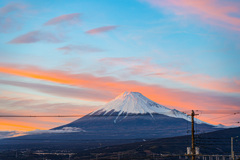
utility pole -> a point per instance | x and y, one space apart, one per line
193 137
232 152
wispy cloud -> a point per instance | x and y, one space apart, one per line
9 134
125 61
10 14
12 7
101 30
31 104
63 91
36 36
80 49
114 86
73 18
144 67
63 130
212 11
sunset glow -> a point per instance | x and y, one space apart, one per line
71 57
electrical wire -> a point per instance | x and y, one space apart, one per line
222 116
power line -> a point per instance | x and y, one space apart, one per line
223 116
42 115
108 115
223 111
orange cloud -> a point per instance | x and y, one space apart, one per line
113 86
32 123
9 124
29 124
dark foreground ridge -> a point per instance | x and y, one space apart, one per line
217 143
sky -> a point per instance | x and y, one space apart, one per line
63 57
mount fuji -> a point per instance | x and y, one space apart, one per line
132 115
135 103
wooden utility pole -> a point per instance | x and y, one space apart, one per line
193 137
232 152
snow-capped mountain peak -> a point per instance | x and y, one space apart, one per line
135 103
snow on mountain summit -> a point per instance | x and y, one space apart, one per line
136 103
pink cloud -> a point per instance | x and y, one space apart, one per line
12 7
10 14
63 91
225 85
67 18
211 11
29 105
101 29
79 49
144 67
36 36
